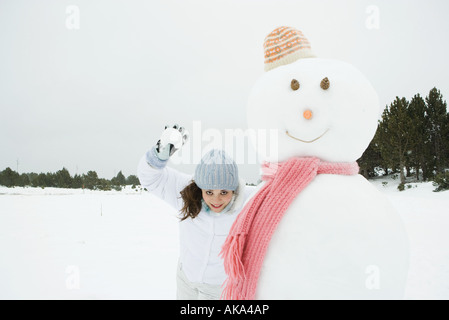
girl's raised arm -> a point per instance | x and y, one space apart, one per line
164 182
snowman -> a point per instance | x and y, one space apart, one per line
316 229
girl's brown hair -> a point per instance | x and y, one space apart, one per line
191 196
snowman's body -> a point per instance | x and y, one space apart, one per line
340 238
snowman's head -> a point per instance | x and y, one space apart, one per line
319 107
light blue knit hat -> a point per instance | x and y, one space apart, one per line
217 171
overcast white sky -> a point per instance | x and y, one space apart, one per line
97 97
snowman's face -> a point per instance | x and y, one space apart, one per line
334 124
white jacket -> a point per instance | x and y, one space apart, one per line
201 238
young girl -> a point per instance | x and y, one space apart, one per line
208 204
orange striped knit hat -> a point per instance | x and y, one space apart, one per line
285 45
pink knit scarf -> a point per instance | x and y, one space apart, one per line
247 242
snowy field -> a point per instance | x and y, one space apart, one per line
75 244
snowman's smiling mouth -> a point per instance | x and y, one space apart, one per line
305 141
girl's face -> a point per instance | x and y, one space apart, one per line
217 200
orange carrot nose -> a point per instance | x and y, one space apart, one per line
307 114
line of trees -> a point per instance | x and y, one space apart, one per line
63 179
412 139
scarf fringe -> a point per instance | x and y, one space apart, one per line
231 253
233 291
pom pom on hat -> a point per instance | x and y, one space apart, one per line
217 171
285 45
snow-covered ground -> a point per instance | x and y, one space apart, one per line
426 217
75 244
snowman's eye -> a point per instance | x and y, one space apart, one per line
295 84
325 84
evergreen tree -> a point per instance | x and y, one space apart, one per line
438 126
445 134
24 180
63 179
395 135
382 136
9 178
370 159
51 179
379 141
41 181
104 185
32 177
77 182
420 154
90 180
119 180
132 180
